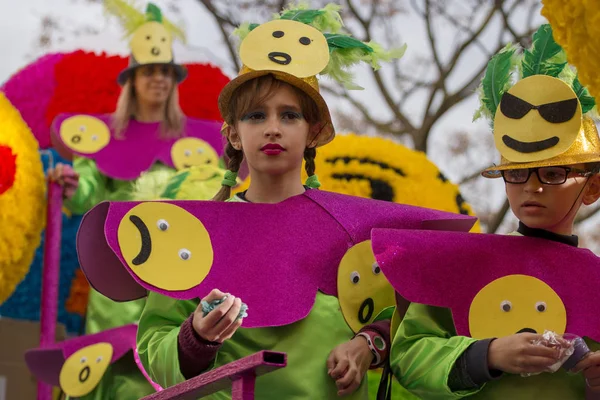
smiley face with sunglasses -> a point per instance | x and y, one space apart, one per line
538 118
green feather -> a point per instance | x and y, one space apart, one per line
173 186
587 101
496 81
153 13
339 41
304 16
541 59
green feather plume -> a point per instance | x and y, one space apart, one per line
546 57
131 18
496 81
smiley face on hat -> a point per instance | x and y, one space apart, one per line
151 43
287 46
537 119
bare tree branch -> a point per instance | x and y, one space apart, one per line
497 219
221 21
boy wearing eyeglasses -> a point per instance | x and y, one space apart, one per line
550 165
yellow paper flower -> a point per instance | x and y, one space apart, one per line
576 27
377 168
22 198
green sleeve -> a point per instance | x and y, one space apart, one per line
424 351
91 189
158 330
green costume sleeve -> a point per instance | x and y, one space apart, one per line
424 351
158 330
91 189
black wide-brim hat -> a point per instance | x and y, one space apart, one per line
180 71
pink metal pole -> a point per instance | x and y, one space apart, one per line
240 374
50 276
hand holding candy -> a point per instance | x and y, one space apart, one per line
218 316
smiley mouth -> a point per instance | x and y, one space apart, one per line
280 58
365 312
84 374
146 249
155 51
76 139
531 147
527 330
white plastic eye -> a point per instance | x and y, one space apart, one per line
82 128
94 137
187 153
83 360
506 306
376 268
541 306
162 224
200 150
185 254
99 359
354 277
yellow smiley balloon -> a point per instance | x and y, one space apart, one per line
287 46
538 119
513 304
363 291
165 246
193 152
151 43
82 371
84 134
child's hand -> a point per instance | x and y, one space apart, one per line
590 366
348 363
65 176
221 323
515 354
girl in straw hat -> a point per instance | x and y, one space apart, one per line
275 118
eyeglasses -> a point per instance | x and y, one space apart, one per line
515 108
546 175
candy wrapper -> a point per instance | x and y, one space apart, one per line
571 350
208 307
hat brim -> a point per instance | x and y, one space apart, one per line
180 72
495 171
327 132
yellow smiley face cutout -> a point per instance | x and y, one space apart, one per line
363 290
513 304
193 152
165 246
151 43
82 372
84 134
287 46
537 119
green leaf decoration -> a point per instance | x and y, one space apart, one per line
339 41
496 80
304 16
587 101
153 13
173 186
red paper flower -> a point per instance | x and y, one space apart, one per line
8 168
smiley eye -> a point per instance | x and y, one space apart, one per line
304 40
506 306
278 34
94 137
83 360
540 306
185 254
99 359
148 37
163 39
82 128
354 277
162 224
200 150
376 268
187 153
